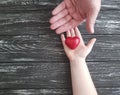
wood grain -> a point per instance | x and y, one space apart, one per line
32 59
49 48
110 5
102 91
37 22
54 75
30 4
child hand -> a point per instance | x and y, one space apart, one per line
82 50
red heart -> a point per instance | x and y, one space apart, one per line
72 42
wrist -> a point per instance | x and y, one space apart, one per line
78 61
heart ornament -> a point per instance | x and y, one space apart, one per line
72 42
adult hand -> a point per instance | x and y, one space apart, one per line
82 50
71 13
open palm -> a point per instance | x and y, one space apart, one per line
70 13
82 50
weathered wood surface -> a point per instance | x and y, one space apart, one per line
36 22
32 60
21 21
29 4
54 75
49 48
102 91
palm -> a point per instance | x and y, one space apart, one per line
71 13
75 11
82 50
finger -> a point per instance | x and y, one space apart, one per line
72 32
91 43
77 32
60 15
63 39
71 24
68 33
61 22
91 18
59 8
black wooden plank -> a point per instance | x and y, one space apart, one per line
107 23
10 5
101 91
19 23
37 22
28 2
33 75
111 5
25 4
36 92
49 48
54 75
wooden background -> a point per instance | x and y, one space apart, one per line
32 60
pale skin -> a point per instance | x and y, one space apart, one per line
82 83
71 13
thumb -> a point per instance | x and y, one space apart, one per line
90 21
91 43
